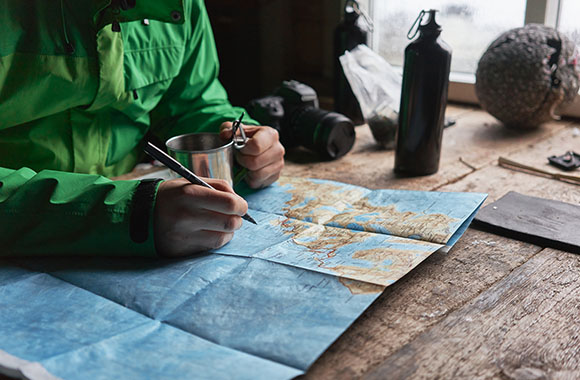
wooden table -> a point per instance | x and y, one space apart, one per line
491 307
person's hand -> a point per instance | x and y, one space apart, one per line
263 154
190 218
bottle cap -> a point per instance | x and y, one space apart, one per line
431 26
351 13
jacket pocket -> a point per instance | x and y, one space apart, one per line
152 53
152 58
151 65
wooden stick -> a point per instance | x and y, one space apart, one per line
507 163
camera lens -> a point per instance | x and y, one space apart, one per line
329 133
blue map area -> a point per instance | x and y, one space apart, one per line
265 306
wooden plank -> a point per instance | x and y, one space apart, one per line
443 283
456 111
524 327
497 181
536 154
480 139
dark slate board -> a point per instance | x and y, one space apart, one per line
540 221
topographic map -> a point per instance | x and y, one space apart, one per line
264 306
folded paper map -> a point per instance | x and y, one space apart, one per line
264 306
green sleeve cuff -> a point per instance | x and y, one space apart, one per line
141 222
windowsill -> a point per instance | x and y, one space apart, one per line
462 90
466 78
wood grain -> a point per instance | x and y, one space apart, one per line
441 284
497 181
479 139
524 327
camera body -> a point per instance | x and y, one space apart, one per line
293 110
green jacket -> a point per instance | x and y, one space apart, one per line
78 95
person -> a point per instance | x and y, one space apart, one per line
83 84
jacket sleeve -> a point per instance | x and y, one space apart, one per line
60 213
196 101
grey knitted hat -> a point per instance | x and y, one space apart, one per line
525 74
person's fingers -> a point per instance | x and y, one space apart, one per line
182 196
193 197
273 155
249 130
226 125
260 140
264 176
261 183
202 219
189 219
185 243
214 240
219 184
226 130
199 197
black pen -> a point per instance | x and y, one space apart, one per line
172 164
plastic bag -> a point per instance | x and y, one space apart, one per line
377 87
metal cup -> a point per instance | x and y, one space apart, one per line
205 154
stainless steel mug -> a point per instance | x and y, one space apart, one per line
206 154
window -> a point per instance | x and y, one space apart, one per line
568 19
469 26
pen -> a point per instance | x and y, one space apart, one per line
172 164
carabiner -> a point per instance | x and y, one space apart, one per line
239 142
418 23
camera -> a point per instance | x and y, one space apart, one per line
293 111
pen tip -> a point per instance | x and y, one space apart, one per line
249 219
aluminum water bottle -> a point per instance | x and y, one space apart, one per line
351 32
423 99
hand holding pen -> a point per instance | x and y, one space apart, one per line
174 165
194 215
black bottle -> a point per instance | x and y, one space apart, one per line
423 100
351 32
